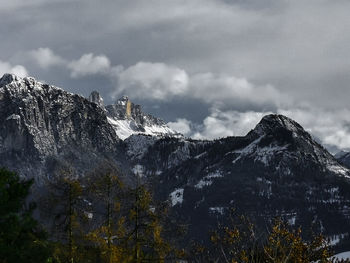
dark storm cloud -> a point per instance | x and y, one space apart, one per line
196 53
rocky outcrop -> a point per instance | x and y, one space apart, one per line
40 120
96 98
127 119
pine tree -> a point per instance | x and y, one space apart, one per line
130 225
65 206
21 239
144 237
106 189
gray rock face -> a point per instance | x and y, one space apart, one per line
39 120
125 109
97 99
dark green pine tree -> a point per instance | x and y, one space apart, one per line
21 239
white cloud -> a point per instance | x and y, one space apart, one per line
45 57
227 123
181 125
19 70
211 88
332 127
152 81
89 64
298 46
160 81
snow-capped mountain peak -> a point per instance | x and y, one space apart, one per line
275 122
277 135
127 119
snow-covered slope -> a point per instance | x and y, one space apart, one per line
126 128
128 119
342 256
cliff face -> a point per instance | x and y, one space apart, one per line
39 121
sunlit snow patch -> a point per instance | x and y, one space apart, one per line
13 117
343 255
339 170
128 127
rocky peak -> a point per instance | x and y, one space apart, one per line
281 130
95 97
40 120
29 82
122 101
279 137
273 123
8 78
124 109
128 118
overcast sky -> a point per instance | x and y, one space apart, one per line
211 68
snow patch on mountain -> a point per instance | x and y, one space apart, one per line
217 210
126 128
13 117
265 154
338 169
342 256
207 180
336 239
157 130
262 154
177 196
128 119
138 170
123 128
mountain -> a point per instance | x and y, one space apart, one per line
128 119
277 169
41 122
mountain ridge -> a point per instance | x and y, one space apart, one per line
277 169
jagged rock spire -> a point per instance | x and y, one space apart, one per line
125 105
95 97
